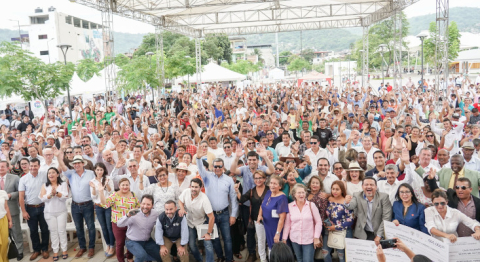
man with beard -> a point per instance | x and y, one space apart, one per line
139 241
172 228
449 176
369 223
196 206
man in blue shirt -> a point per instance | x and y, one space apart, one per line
82 204
220 191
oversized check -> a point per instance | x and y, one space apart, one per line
358 250
465 249
419 242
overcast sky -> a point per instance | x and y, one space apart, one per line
20 9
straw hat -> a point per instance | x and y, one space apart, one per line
78 159
182 166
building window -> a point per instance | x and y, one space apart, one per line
42 37
85 24
68 20
76 22
43 52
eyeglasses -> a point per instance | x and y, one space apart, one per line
132 166
313 143
217 166
462 187
162 175
269 134
68 152
290 162
279 169
405 192
400 132
226 147
441 203
338 168
429 135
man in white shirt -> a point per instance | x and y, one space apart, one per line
228 157
453 134
137 182
471 161
283 148
369 149
49 161
89 155
213 147
391 184
323 169
315 152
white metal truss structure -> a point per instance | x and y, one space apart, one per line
441 50
198 62
397 49
108 50
365 55
160 70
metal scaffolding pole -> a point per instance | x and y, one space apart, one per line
198 62
108 7
365 56
160 71
441 40
397 48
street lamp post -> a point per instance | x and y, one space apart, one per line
48 47
64 48
422 36
381 49
150 54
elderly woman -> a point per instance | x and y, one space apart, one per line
164 190
442 221
303 225
353 178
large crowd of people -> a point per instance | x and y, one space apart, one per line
212 172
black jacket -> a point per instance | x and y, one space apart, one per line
453 198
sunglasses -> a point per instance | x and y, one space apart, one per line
132 166
68 152
288 162
429 135
461 187
226 147
269 134
313 143
279 169
217 166
441 203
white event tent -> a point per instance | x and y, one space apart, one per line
214 73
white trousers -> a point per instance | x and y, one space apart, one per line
57 224
261 240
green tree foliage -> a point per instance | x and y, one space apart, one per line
430 43
284 55
137 74
298 64
380 33
87 68
27 76
308 54
121 60
217 47
242 67
179 64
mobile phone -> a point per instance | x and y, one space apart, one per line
327 222
389 243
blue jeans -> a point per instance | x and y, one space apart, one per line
79 214
304 253
104 216
37 218
192 244
144 250
223 224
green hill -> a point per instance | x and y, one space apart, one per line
467 20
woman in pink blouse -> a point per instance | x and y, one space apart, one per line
303 224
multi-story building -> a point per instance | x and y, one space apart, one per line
48 29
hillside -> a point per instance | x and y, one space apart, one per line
467 19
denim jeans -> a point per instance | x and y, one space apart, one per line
144 250
223 224
79 214
304 253
37 218
192 244
104 216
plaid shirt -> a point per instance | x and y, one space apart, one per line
302 149
191 149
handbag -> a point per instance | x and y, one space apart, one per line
12 248
336 239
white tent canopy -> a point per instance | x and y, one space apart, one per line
214 73
96 84
77 86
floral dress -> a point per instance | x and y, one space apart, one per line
162 195
321 204
120 205
339 216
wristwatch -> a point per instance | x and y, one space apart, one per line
277 233
210 234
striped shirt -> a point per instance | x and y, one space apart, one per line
120 205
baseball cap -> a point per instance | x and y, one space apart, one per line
455 115
351 115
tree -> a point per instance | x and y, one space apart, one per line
258 53
242 67
148 43
217 47
179 64
430 44
284 55
87 68
308 54
380 33
29 77
121 60
137 74
298 64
